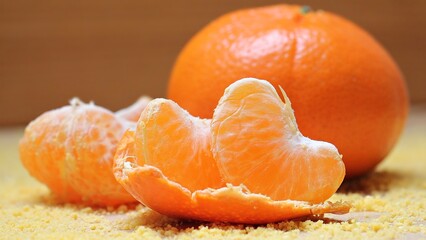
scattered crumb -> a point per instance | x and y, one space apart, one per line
387 204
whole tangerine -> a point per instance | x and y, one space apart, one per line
345 87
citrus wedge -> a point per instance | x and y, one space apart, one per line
256 142
180 166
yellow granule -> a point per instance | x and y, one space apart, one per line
390 203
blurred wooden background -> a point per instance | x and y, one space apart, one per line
114 51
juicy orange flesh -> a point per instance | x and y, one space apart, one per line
256 143
178 144
94 137
126 150
169 162
71 150
36 144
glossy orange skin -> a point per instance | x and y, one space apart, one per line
345 88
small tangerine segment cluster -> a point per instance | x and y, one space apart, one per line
71 150
253 142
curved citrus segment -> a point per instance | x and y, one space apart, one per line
227 204
71 150
133 112
39 157
178 144
256 142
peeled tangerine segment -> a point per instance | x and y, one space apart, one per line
251 166
71 150
178 144
256 142
227 204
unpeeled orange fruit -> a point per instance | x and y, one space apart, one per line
260 168
345 88
71 150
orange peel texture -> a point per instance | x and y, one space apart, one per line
165 164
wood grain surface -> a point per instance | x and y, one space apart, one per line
114 51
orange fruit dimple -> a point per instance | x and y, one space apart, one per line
256 142
345 88
167 164
71 150
178 144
